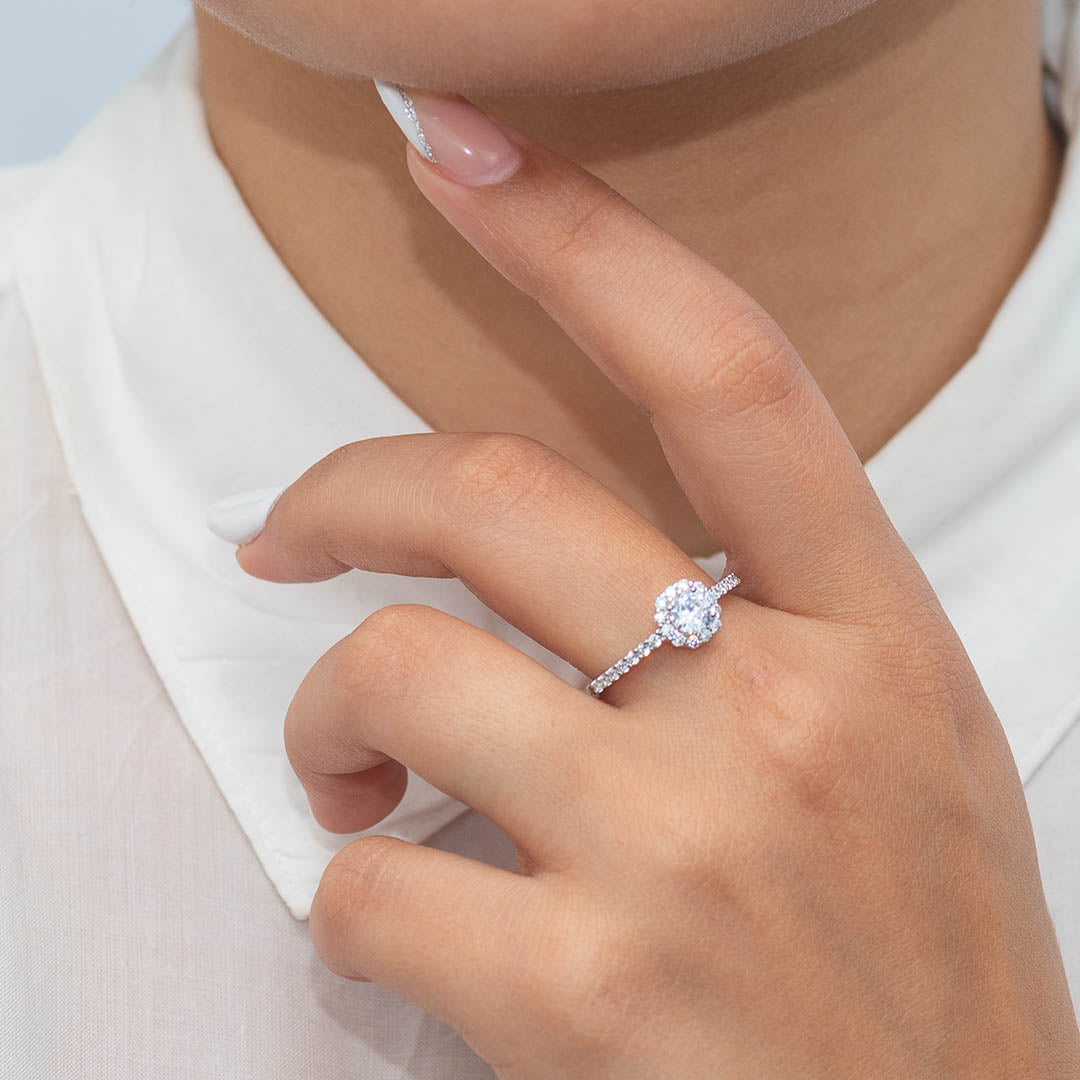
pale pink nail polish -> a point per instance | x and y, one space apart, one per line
453 134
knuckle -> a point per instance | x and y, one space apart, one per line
741 365
387 651
691 856
490 476
354 876
757 375
910 652
685 829
376 664
932 680
804 728
327 476
819 759
927 662
355 879
583 989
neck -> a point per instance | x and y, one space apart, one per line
877 186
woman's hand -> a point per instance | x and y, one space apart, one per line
802 850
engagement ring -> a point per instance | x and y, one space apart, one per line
687 615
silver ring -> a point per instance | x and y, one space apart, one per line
687 615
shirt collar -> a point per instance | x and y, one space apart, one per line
183 363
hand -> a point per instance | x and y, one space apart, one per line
800 851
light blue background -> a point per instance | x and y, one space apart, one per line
60 60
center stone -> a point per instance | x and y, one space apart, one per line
690 615
686 614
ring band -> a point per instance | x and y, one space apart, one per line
687 615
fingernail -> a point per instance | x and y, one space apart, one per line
240 518
453 134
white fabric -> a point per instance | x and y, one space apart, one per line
150 347
167 398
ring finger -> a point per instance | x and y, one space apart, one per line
542 543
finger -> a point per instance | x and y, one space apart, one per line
745 427
465 710
442 931
545 545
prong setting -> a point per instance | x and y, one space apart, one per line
687 614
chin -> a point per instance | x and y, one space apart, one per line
479 47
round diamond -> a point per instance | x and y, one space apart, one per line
686 614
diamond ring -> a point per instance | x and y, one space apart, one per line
687 615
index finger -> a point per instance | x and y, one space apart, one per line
745 427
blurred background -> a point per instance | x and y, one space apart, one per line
60 60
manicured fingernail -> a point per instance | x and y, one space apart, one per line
240 518
453 134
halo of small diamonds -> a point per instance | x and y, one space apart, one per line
687 614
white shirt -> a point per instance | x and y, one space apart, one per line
158 857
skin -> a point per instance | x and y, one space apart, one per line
792 172
826 867
531 47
